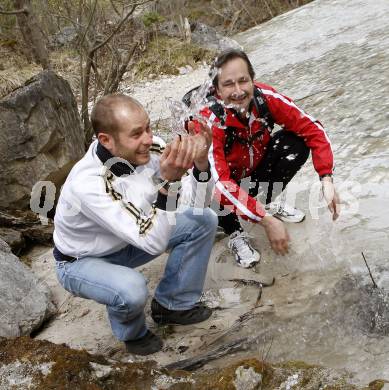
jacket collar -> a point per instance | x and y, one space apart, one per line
233 120
118 166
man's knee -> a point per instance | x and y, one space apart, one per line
295 142
133 295
290 143
208 219
302 150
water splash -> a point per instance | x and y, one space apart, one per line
180 112
291 156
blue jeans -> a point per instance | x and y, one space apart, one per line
112 281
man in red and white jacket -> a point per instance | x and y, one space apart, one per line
246 160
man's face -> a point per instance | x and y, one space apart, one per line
235 85
133 138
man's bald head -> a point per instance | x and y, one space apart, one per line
109 109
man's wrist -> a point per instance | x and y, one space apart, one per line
170 187
168 195
266 220
326 176
202 172
202 165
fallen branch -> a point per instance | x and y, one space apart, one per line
14 12
250 282
236 325
196 362
368 268
244 317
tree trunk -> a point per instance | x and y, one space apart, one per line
85 100
32 34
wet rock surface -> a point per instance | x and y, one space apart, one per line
368 309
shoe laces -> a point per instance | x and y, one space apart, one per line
241 244
285 209
281 207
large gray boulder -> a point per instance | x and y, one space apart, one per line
202 35
65 37
24 300
41 137
209 38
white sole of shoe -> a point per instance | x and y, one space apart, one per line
281 218
251 265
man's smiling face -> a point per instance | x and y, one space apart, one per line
132 138
235 85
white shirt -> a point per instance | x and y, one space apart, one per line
99 213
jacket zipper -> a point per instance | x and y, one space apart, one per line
251 153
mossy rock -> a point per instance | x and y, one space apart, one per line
45 365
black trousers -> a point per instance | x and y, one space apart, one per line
285 154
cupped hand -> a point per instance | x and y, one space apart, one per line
331 196
201 137
277 234
176 159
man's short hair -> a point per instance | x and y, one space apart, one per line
103 116
228 55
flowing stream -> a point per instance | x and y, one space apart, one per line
332 57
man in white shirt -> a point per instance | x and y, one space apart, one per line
118 209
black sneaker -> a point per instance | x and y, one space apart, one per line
146 345
200 312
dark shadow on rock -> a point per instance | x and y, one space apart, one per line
22 229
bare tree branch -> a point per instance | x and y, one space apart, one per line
32 34
121 69
72 21
110 72
99 81
89 22
114 32
89 47
268 8
249 14
137 3
14 12
85 99
114 8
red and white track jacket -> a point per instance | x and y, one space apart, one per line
243 159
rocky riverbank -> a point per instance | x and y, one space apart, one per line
332 57
33 364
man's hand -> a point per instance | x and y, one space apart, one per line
201 140
176 159
331 197
277 234
183 152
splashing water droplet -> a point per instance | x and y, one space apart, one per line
291 157
180 112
